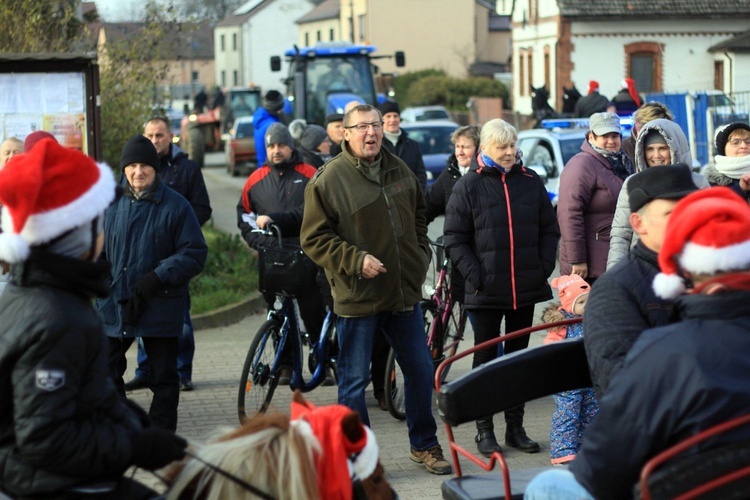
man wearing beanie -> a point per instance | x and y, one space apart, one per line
266 115
275 192
681 379
184 176
660 142
315 145
397 141
591 103
155 246
63 426
624 304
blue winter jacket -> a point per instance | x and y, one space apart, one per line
159 233
262 119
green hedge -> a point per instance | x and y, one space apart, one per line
230 274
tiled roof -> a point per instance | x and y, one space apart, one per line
201 38
739 43
669 8
328 9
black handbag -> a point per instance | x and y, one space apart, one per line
283 269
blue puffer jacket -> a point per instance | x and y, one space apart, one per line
159 233
262 119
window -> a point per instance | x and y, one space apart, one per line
235 78
330 35
362 28
223 78
318 36
222 42
307 39
195 76
547 69
234 41
521 73
530 69
719 75
644 65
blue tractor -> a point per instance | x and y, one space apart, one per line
324 78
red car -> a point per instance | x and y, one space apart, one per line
240 148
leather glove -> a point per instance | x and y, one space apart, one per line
147 286
156 448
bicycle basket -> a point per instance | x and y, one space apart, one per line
283 270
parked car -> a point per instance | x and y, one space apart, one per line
425 113
434 138
546 150
240 147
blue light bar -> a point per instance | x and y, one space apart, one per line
626 123
332 49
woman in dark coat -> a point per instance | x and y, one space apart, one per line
502 235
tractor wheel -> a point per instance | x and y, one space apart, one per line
196 146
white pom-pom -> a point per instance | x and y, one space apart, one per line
13 248
668 286
367 459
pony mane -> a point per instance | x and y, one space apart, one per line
267 452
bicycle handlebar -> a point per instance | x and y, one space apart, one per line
273 230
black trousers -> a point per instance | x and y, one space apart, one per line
163 380
487 326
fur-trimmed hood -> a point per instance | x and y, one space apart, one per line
716 178
552 313
676 140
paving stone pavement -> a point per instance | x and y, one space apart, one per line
212 408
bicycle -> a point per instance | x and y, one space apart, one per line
445 322
263 363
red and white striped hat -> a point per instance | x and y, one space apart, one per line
708 232
46 192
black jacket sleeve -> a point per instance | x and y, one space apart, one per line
198 196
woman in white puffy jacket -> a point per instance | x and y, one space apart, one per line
659 142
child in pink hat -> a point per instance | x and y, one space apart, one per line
573 409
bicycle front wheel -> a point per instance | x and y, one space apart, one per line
453 334
395 399
258 381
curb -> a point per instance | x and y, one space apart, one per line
231 314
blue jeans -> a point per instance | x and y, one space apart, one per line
405 334
185 351
556 484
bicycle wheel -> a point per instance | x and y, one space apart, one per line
395 399
257 384
454 333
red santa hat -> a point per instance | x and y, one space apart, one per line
341 459
46 192
708 232
593 86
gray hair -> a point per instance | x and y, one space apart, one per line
499 132
472 132
362 108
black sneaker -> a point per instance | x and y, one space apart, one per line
136 383
186 386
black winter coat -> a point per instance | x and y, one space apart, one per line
501 232
676 381
409 152
622 304
62 422
184 176
440 192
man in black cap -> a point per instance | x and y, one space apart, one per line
622 303
397 141
265 116
335 128
155 246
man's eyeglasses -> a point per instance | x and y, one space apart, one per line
364 127
738 142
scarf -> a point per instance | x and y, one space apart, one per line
619 161
392 138
490 162
733 168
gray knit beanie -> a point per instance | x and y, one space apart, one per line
313 136
277 133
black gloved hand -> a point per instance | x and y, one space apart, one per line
147 285
155 448
132 310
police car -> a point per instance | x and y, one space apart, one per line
548 149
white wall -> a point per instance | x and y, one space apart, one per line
228 60
268 33
534 37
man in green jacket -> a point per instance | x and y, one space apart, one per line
364 223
